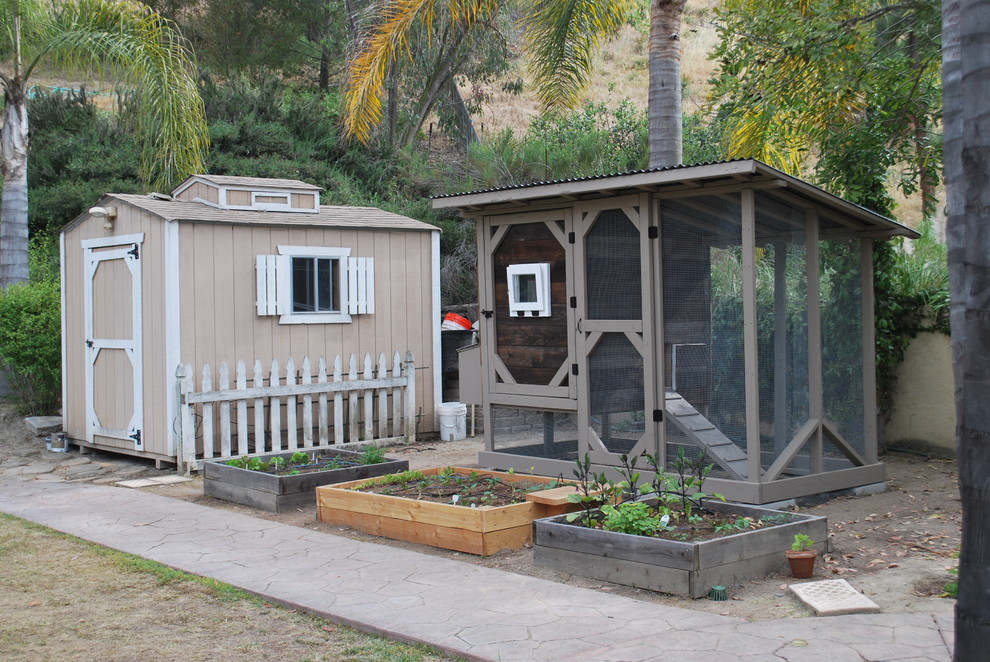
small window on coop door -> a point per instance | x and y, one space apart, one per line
529 289
315 285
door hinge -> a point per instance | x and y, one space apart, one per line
573 302
653 232
658 415
574 369
571 239
134 252
136 437
487 313
89 343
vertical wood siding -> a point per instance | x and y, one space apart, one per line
113 377
202 191
219 320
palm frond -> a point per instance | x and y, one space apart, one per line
127 42
365 85
561 37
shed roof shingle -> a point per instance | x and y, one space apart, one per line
328 216
225 180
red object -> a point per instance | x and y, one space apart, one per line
454 322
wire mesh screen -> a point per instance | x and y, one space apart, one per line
703 326
615 380
613 268
535 433
842 341
782 324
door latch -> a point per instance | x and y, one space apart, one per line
487 313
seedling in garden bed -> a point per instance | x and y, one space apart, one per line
671 505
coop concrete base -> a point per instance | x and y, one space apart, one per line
681 568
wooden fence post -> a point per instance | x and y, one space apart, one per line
409 370
188 422
180 401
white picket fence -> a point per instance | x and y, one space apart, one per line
290 410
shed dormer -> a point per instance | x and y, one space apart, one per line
250 193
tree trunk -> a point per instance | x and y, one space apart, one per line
14 208
464 122
665 82
966 84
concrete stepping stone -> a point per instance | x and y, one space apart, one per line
151 482
834 597
42 425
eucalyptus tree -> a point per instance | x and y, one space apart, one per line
966 81
851 86
560 36
124 42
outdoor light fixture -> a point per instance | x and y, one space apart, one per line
108 214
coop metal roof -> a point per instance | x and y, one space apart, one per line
695 179
328 216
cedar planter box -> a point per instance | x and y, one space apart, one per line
681 568
279 494
483 530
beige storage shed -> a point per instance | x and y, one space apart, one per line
231 269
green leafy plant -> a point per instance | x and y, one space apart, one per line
299 458
31 344
372 455
801 541
738 524
633 517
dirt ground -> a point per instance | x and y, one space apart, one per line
895 546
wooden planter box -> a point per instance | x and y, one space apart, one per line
278 494
484 530
681 568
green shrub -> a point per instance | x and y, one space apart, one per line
31 344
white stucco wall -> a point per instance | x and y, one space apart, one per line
924 409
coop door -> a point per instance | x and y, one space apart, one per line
616 402
526 293
114 403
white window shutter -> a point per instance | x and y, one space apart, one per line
265 268
361 285
283 284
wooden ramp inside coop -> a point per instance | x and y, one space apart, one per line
702 432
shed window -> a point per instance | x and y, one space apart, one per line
315 285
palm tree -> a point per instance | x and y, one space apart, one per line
125 42
560 36
966 84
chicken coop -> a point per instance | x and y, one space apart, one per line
724 309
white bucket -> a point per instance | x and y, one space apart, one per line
453 421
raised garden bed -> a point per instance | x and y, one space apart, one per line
671 566
280 490
482 529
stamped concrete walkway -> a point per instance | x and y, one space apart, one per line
476 612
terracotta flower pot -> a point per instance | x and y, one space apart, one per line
802 562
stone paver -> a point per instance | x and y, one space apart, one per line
477 612
42 425
834 597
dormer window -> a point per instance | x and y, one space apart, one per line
270 201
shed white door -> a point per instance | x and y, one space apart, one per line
112 291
